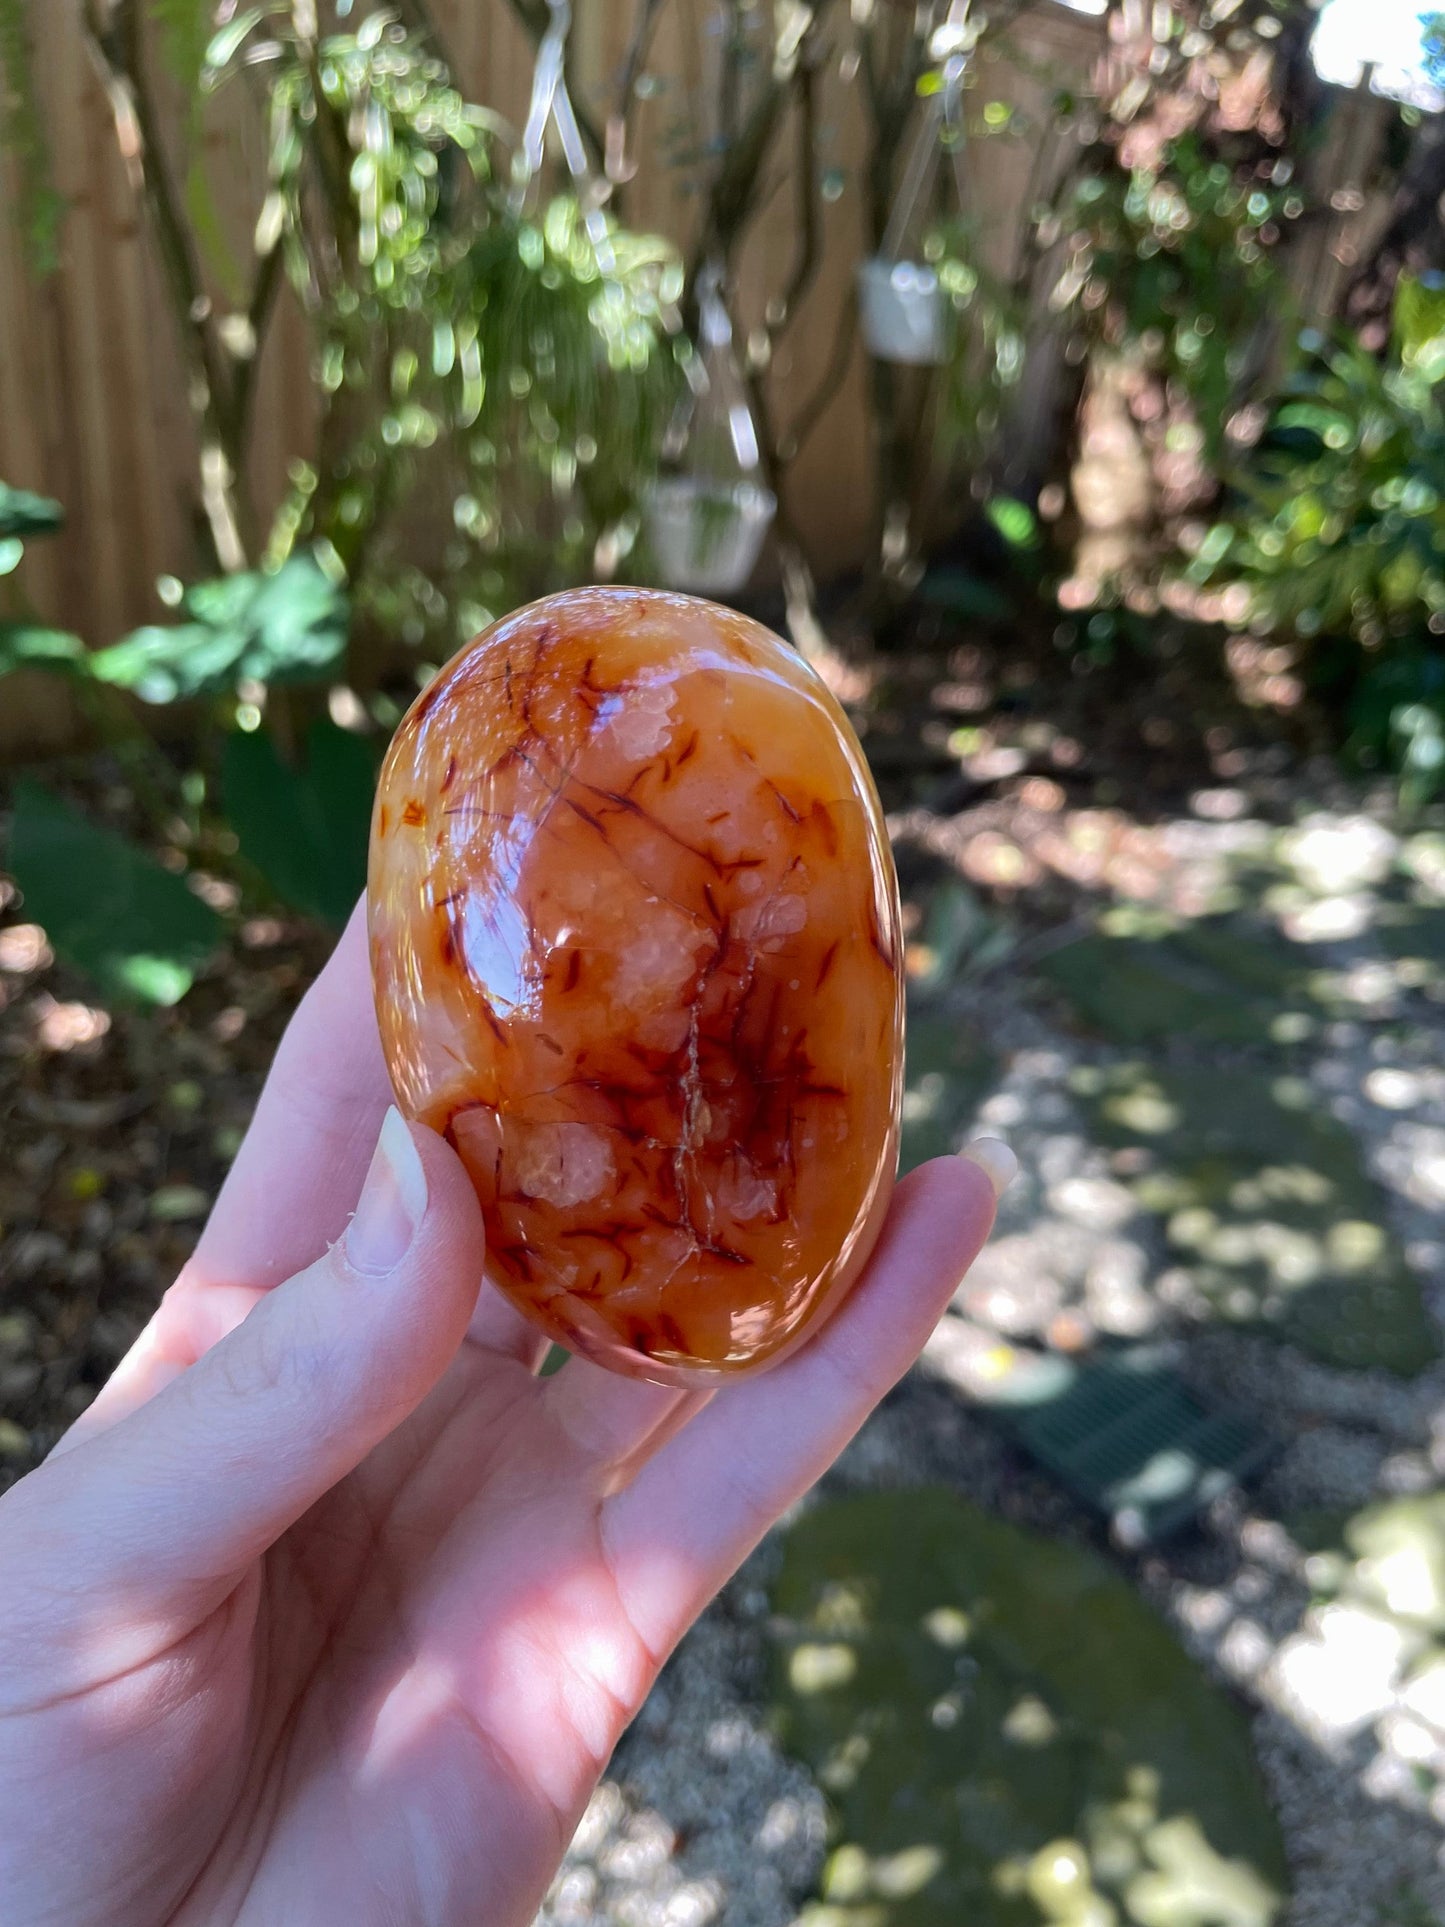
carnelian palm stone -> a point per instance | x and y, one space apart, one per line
635 939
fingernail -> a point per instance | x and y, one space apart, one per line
392 1203
995 1160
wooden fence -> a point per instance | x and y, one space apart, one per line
92 402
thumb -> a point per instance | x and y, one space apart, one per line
174 1502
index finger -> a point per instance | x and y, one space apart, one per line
296 1177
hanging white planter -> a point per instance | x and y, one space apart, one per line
904 312
707 535
902 307
709 513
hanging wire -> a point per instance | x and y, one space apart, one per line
941 126
551 105
715 333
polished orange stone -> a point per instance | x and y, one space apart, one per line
635 939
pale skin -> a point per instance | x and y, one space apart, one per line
329 1609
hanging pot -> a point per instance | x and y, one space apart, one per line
902 308
707 534
904 312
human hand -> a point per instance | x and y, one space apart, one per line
329 1609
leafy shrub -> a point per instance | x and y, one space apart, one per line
485 359
986 320
283 627
1175 261
520 360
1339 535
106 906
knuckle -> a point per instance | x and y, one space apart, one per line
280 1353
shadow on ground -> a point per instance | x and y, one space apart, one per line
1008 1734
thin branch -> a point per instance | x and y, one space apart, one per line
872 84
810 199
781 313
258 316
337 244
115 45
730 201
832 379
637 46
891 87
729 88
619 169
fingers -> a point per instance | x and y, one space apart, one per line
190 1319
193 1316
183 1495
297 1175
700 1506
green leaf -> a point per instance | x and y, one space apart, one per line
11 551
105 905
287 627
1310 415
1014 520
162 665
228 42
1419 318
22 513
28 645
305 830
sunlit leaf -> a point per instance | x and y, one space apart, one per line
225 45
24 514
30 645
1014 520
1419 317
287 627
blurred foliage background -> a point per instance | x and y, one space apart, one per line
512 388
1069 389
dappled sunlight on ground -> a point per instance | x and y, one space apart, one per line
1225 1087
1007 1733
